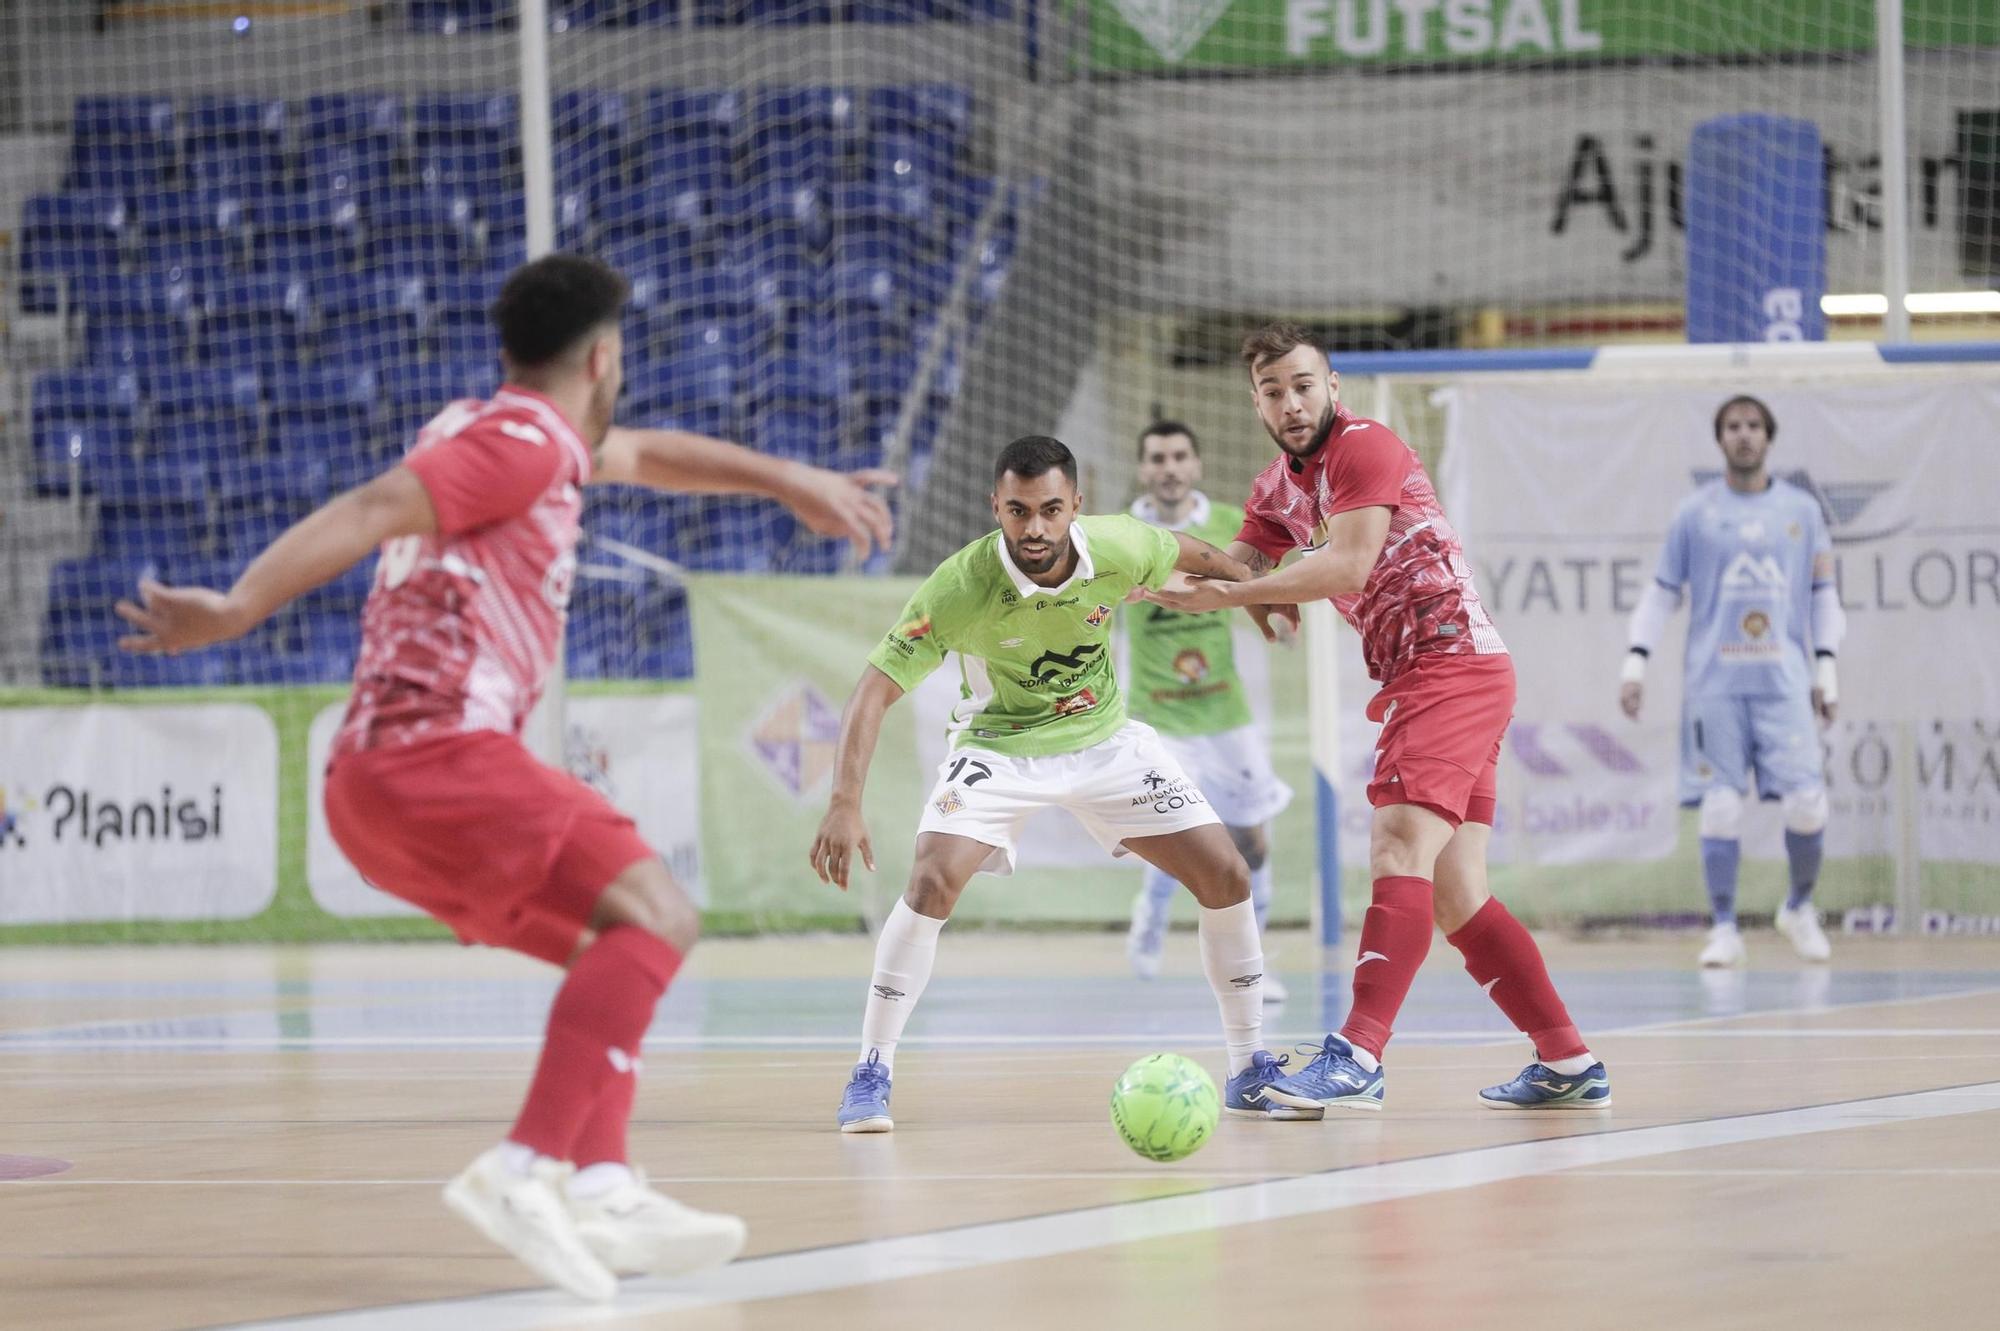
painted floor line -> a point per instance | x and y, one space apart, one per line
850 1265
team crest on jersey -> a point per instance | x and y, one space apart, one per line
1098 616
1756 624
948 803
560 580
1191 666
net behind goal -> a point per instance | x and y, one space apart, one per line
250 252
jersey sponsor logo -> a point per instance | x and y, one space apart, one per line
1053 667
1098 616
1190 665
1154 780
1080 701
1752 575
948 803
1046 604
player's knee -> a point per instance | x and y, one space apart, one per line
931 891
647 897
1721 815
1251 843
1805 811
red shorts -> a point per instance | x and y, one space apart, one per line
476 832
1440 746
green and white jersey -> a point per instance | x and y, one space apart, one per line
1036 661
1183 667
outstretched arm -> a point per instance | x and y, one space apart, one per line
829 503
1340 567
843 831
1199 557
314 550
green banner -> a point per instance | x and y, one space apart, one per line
1156 35
775 661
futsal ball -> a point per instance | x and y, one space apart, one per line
1165 1106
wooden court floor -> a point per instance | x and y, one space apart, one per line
248 1136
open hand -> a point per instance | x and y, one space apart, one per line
178 619
1191 594
1278 623
843 504
841 833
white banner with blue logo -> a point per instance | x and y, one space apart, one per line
1564 487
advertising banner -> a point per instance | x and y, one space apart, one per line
126 813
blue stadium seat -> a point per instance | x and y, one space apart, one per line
250 173
356 167
141 116
806 433
450 17
590 116
67 454
464 335
256 320
313 234
328 396
764 13
590 169
174 534
236 392
487 119
938 108
700 115
221 443
364 117
131 295
567 14
119 165
174 217
467 168
95 396
190 670
199 264
628 629
80 214
173 490
234 120
415 393
373 321
139 345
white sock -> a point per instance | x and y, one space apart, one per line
1368 1061
1260 894
519 1159
598 1179
1569 1067
1232 956
903 957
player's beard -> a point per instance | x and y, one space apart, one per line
1314 441
1058 553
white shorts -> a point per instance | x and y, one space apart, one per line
1233 768
1127 786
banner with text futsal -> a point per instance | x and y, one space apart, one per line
1564 490
775 661
117 813
1279 34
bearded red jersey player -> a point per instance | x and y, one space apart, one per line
432 795
1355 500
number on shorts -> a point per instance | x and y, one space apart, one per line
979 771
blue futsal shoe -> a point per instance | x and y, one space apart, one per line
864 1105
1333 1080
1541 1087
1244 1096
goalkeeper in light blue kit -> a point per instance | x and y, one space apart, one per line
1764 624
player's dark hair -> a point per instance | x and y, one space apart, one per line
545 308
1745 400
1167 427
1033 454
1274 340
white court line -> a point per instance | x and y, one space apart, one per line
379 1043
849 1265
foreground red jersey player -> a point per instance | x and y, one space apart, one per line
1355 500
432 795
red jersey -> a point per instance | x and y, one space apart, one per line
460 631
1419 597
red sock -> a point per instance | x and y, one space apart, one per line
1395 936
595 1026
601 1140
1502 959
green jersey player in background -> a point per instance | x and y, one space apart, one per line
1027 611
1186 686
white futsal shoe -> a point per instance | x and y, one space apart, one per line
1725 946
526 1215
1801 928
637 1231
